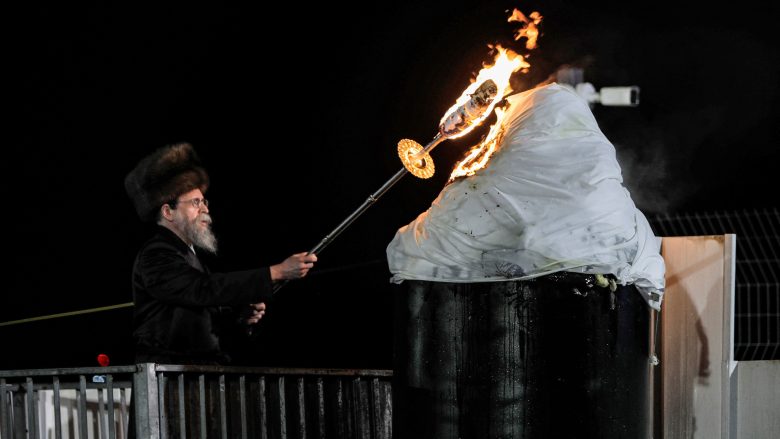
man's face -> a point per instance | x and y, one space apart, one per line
191 217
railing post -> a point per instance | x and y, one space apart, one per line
145 402
5 416
19 414
32 410
110 394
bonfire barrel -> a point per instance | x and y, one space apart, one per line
555 357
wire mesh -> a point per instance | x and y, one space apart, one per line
757 313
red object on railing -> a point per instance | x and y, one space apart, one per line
103 360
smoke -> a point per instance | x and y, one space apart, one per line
649 174
673 160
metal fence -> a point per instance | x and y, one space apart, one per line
174 401
757 310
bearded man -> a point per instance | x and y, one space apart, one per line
179 303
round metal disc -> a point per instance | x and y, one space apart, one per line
420 167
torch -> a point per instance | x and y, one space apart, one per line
459 120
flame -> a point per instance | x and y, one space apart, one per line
530 30
478 157
506 63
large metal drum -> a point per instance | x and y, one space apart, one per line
555 357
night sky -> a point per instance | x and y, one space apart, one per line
298 126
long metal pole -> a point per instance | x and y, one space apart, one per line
359 211
351 218
432 144
366 204
438 138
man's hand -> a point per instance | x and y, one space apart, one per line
256 312
294 267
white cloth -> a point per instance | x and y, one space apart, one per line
550 199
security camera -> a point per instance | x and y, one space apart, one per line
619 96
609 96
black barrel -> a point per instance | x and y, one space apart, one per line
555 357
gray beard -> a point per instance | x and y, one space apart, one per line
199 237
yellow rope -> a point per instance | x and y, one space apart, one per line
129 304
67 314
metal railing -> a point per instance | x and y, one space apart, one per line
175 401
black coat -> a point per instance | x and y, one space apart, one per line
178 302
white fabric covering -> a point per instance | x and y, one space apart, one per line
551 199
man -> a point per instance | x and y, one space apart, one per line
180 306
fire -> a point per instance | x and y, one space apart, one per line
479 155
506 63
530 30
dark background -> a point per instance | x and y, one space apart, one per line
295 111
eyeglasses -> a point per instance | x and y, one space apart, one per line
195 202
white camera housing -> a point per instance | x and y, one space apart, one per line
619 96
572 77
609 96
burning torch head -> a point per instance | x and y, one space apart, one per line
463 116
417 160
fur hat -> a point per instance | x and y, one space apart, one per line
162 176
